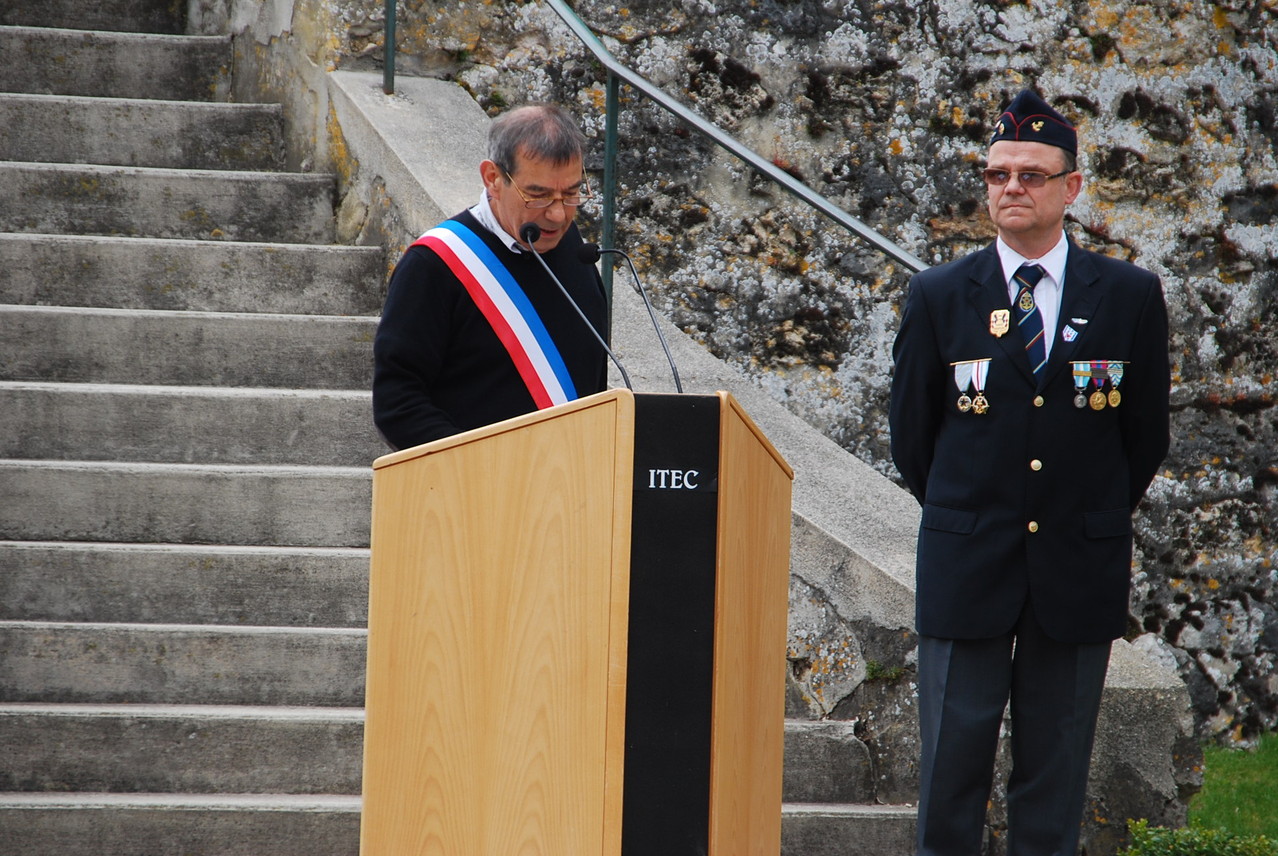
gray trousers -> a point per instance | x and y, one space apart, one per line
964 685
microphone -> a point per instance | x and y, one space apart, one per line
590 253
529 233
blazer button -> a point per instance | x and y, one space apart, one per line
1036 465
1038 401
1033 526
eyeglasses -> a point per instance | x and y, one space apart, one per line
571 199
1000 177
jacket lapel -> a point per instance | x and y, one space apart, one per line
987 293
1083 293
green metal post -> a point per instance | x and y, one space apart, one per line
388 49
608 228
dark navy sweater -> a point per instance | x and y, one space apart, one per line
438 367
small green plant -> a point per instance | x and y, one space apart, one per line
1194 841
876 671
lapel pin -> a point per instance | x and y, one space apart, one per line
1000 322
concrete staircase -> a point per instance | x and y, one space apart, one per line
184 484
184 441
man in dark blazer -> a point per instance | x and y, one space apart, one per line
1029 414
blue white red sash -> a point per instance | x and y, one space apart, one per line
506 307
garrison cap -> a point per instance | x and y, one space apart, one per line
1030 119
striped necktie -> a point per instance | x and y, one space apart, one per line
1027 315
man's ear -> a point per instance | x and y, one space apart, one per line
491 174
1073 185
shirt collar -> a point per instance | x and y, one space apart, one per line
483 212
1053 262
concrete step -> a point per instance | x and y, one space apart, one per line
115 65
81 663
181 424
140 16
181 749
217 276
825 763
179 825
185 503
165 203
134 132
847 830
63 344
251 825
129 651
187 584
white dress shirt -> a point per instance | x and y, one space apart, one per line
1050 289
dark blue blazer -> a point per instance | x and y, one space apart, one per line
1034 497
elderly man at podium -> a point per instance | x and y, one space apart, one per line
475 329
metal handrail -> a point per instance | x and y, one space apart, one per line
721 138
618 72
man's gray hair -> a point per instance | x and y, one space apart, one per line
537 131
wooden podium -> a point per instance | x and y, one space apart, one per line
577 631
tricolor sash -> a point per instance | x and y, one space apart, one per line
504 304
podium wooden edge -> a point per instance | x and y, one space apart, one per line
514 424
729 402
619 619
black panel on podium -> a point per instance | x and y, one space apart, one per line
672 603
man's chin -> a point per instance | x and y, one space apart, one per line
1014 219
548 241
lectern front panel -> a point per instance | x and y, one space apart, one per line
496 640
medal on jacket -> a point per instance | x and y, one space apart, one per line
967 374
1115 378
1082 376
980 371
963 380
1000 322
1098 399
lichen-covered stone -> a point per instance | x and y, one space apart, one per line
885 107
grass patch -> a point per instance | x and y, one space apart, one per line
1240 790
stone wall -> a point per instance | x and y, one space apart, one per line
885 108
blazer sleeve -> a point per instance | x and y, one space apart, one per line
918 379
408 352
1145 408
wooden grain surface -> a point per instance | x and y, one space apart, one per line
751 601
497 622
